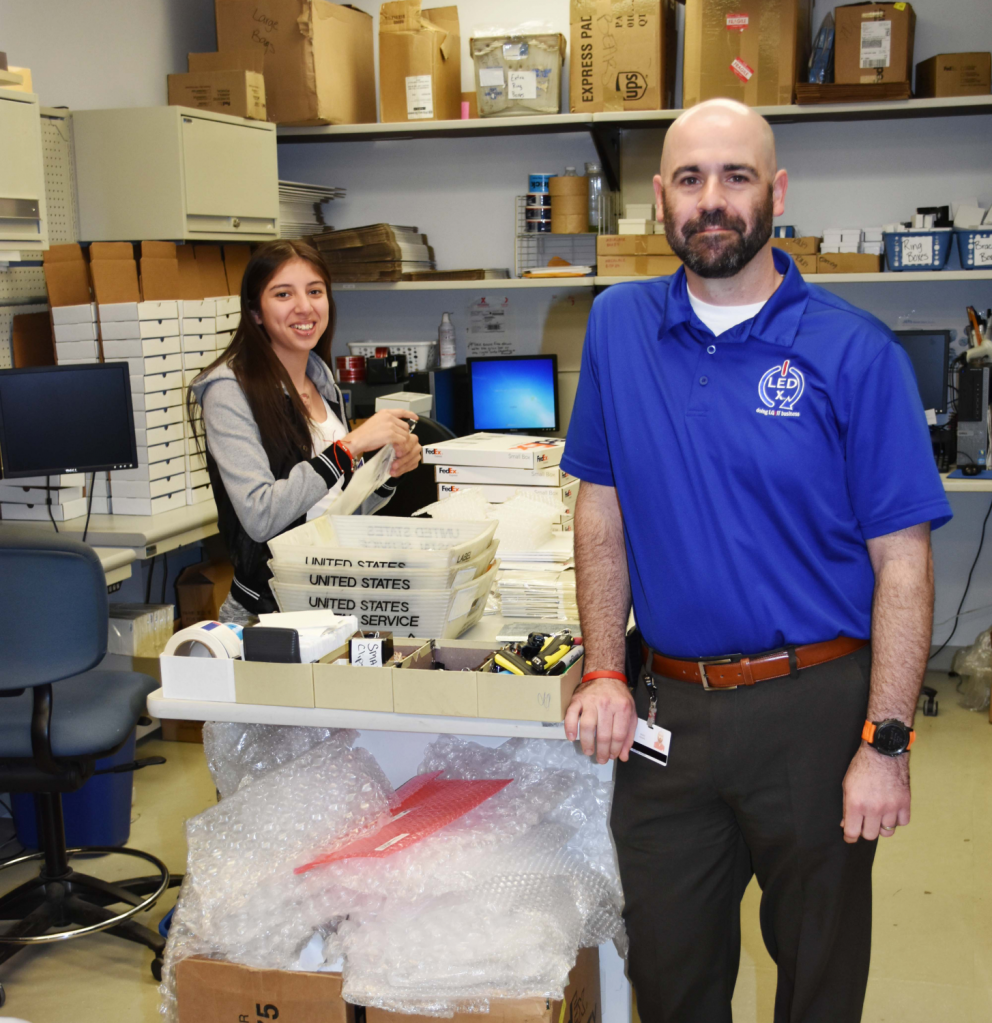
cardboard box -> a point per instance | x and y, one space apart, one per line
806 262
848 263
496 449
619 61
273 685
420 70
240 93
954 74
527 697
581 1003
318 57
67 276
873 43
808 245
349 687
419 689
160 278
215 991
182 731
633 245
752 54
31 340
201 590
637 266
210 265
236 257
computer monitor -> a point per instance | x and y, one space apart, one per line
514 393
65 419
929 351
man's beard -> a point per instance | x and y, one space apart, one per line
713 255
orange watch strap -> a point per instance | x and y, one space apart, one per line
868 732
912 739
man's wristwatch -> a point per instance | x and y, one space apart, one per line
890 737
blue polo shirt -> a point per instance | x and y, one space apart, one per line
751 467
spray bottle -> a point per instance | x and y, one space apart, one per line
446 341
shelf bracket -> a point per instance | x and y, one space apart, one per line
606 139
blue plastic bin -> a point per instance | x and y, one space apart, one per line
97 814
975 247
931 247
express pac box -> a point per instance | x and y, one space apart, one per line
623 55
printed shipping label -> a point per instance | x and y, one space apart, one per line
419 98
917 251
737 22
522 84
983 250
743 72
876 43
489 76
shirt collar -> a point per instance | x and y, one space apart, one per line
777 322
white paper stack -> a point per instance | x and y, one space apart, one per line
301 212
841 239
147 336
544 596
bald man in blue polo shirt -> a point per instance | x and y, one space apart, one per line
759 485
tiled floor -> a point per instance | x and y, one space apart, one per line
932 946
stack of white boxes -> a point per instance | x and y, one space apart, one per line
75 334
841 239
488 465
146 334
27 498
206 327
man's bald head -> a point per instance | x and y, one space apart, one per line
720 123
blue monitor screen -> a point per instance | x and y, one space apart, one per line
514 393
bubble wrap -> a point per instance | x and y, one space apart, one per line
235 751
974 665
494 905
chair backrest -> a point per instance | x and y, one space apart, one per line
417 489
53 610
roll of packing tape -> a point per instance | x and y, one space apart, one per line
206 639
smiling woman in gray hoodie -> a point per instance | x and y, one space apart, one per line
278 449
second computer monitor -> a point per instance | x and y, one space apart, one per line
929 352
514 393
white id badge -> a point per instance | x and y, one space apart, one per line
652 741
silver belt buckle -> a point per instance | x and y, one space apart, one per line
716 660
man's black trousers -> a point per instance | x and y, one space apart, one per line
752 786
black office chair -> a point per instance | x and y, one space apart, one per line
417 488
57 718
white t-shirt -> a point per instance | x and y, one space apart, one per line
325 434
720 318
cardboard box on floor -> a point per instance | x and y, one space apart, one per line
752 54
620 62
581 1003
954 74
215 991
317 57
420 69
873 43
201 590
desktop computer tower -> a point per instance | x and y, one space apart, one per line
973 417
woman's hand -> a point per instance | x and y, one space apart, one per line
386 427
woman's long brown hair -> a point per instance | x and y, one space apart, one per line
277 408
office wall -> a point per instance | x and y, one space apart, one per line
104 53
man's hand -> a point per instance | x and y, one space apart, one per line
876 795
603 715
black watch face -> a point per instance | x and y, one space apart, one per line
891 738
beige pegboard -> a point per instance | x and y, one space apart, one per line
60 183
20 284
7 314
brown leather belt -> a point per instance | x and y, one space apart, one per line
735 670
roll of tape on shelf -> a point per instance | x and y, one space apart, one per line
206 639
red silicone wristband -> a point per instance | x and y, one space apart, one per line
590 675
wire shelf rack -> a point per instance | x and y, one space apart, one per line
534 249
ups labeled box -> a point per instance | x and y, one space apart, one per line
241 93
954 74
752 53
216 991
317 57
623 55
497 449
420 69
873 43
